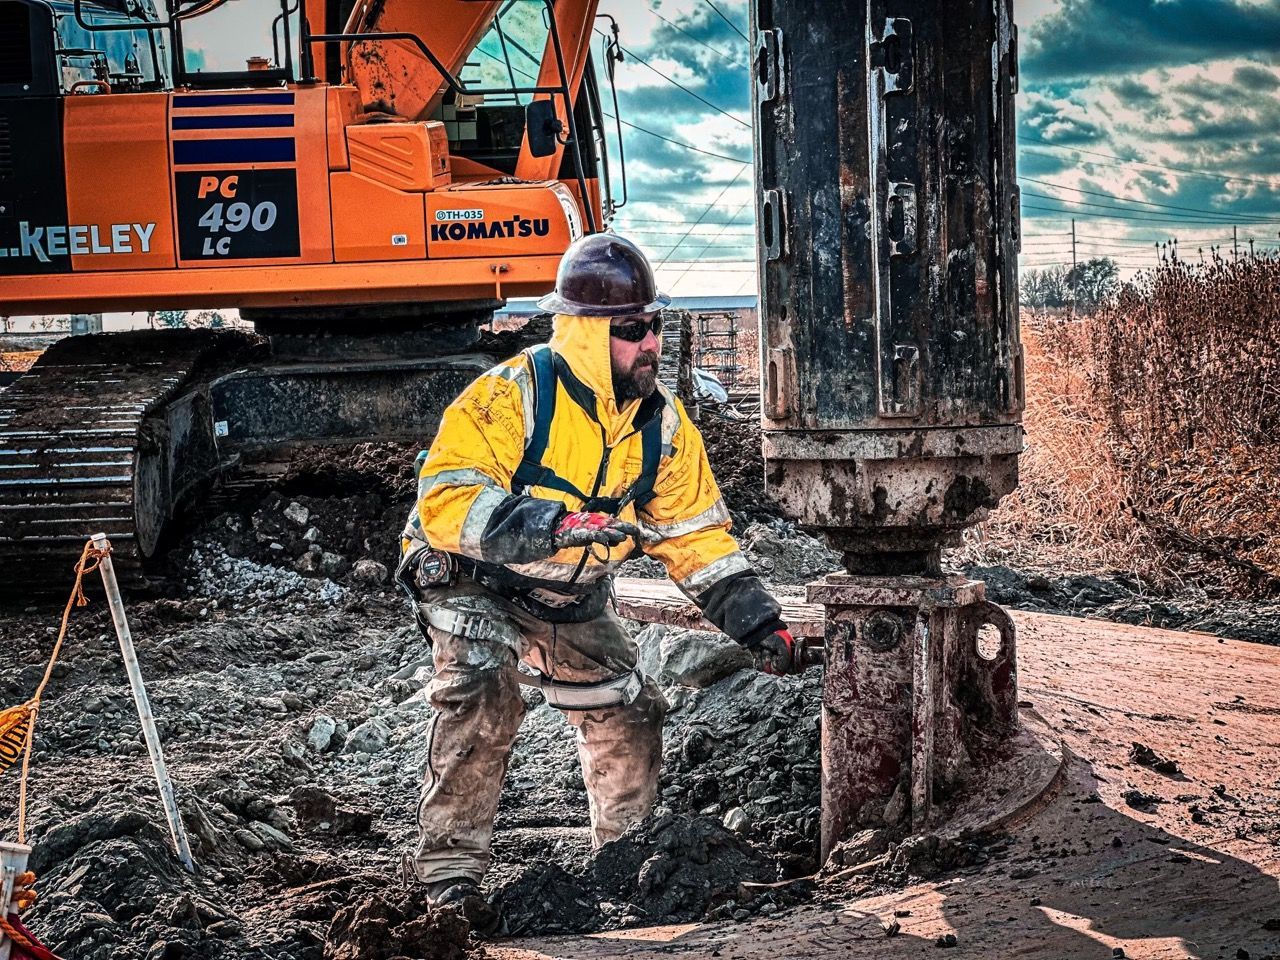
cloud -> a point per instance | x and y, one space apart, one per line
658 72
1255 78
1086 38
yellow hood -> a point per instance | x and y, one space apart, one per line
584 344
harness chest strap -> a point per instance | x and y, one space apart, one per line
531 472
562 694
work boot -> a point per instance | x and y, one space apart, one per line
451 891
463 894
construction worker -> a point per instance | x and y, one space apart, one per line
544 476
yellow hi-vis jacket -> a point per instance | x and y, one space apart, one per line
466 505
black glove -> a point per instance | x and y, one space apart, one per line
775 653
583 529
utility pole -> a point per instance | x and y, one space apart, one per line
1235 242
1075 276
1251 248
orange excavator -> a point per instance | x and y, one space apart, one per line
366 185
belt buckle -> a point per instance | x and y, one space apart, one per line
552 599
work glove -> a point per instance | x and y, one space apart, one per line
583 529
775 654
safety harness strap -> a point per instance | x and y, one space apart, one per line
532 473
601 695
651 454
562 694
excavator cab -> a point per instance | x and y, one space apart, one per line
45 50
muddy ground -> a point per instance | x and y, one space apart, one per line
295 727
288 680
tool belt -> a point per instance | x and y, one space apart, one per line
427 568
562 694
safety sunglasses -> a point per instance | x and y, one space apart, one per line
634 329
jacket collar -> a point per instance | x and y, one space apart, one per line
583 343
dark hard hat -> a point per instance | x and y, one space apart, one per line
603 274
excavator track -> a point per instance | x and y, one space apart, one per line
85 447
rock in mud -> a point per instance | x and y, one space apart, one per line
1146 802
1144 756
321 732
370 737
320 810
694 658
368 572
297 513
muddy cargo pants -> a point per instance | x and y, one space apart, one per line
478 711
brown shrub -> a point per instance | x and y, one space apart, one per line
1151 433
1067 512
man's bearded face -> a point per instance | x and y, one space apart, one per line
634 366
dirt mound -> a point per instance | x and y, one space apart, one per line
384 469
113 890
669 869
677 867
393 924
747 750
734 448
546 898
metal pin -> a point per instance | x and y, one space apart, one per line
149 733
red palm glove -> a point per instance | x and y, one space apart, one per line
583 529
775 654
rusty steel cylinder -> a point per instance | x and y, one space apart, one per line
889 229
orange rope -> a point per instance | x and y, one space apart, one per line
10 931
90 558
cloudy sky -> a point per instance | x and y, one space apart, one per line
1142 119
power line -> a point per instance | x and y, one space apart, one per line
676 83
1125 244
739 260
678 143
650 231
1098 216
677 27
674 203
727 20
705 223
737 213
1149 203
1186 218
708 242
1131 239
713 266
711 206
